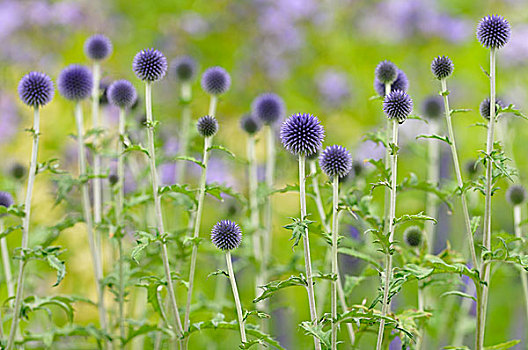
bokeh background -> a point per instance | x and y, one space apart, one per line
320 57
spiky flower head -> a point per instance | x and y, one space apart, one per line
335 161
207 126
302 134
516 194
386 72
493 32
6 199
75 82
113 179
268 108
122 94
17 170
433 107
184 68
442 67
250 124
36 89
150 65
401 83
226 235
485 106
216 81
398 105
413 236
98 47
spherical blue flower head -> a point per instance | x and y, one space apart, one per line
401 83
433 107
268 108
207 126
250 124
516 194
216 81
335 161
6 199
413 236
35 89
485 105
302 134
386 72
397 105
98 47
149 65
226 235
442 67
184 68
122 94
75 82
493 32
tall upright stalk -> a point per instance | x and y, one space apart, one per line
236 297
96 123
6 263
335 270
385 308
157 208
25 228
485 270
386 201
306 243
518 233
268 209
185 98
432 177
119 219
458 173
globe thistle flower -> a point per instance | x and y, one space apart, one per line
493 32
484 107
268 108
397 105
302 134
516 194
184 68
433 107
6 199
386 72
413 236
75 82
401 83
207 126
113 179
17 170
250 124
35 89
122 94
335 161
226 235
216 81
98 47
442 67
149 65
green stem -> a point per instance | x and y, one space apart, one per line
268 208
421 307
385 309
236 297
96 124
6 262
432 177
335 270
186 96
518 233
386 208
306 243
157 207
458 173
119 216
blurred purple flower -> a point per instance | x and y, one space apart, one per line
66 12
369 150
354 232
11 17
333 86
516 52
167 173
170 147
395 344
9 118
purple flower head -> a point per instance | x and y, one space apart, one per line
333 86
433 107
250 124
122 94
516 194
36 89
207 126
184 68
226 235
268 108
98 47
216 81
6 199
386 72
397 105
335 161
484 107
442 67
75 82
413 236
493 32
302 134
149 65
17 170
401 83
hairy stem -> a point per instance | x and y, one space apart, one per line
518 233
96 124
236 297
335 271
119 217
6 262
185 96
306 243
386 207
385 308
